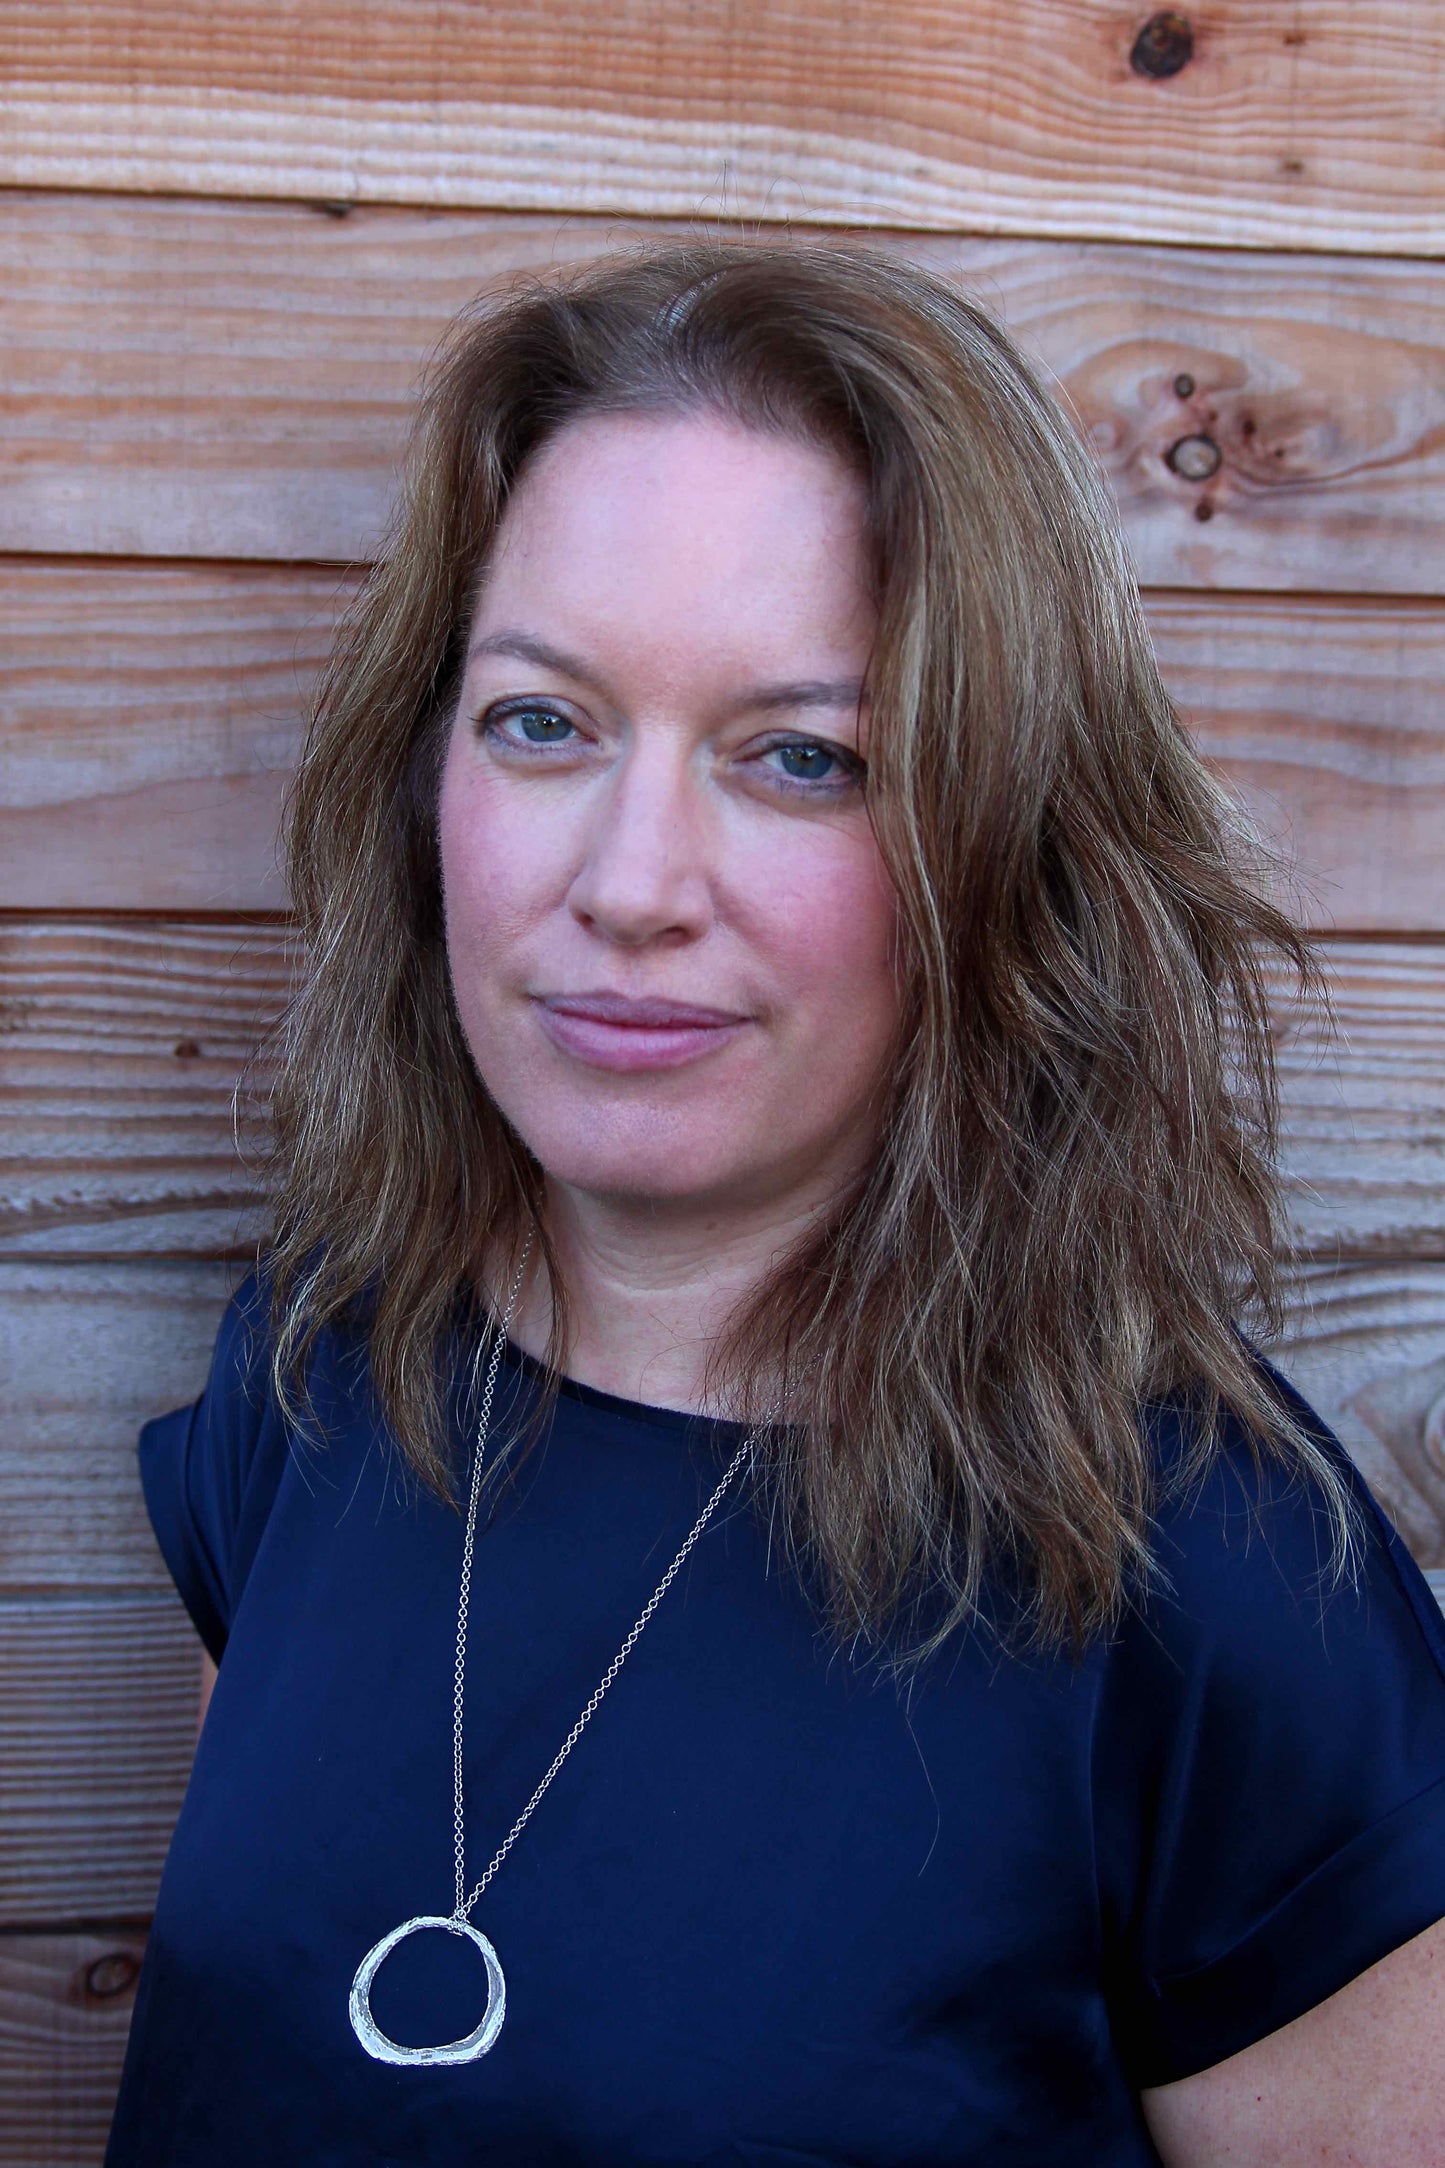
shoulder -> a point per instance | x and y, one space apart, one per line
212 1441
211 1471
241 1395
241 1357
1247 1538
1269 1744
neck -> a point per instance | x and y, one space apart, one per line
650 1288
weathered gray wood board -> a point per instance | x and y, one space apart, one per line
97 1730
1366 1344
125 1041
88 1352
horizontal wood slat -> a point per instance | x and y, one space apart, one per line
65 2011
121 1042
149 719
1311 125
1363 1105
1366 1345
87 1354
124 1042
150 716
231 380
97 1732
1328 717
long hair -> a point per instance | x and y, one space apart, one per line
1073 1201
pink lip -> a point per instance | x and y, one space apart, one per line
618 1032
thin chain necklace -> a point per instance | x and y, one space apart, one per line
458 1922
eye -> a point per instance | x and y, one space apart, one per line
813 761
528 723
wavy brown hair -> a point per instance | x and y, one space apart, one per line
1073 1200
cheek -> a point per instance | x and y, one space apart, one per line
829 923
495 870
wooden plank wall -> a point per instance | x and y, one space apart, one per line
229 234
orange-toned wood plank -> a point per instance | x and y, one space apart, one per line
235 380
65 2010
1299 123
1327 716
149 718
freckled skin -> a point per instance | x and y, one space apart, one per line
649 829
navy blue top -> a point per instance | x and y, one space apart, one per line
773 1909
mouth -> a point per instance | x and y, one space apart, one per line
622 1033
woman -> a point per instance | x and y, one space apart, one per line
773 1143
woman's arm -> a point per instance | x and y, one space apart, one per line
1360 2080
208 1680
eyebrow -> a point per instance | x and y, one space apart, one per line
802 693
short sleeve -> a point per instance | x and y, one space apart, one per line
1269 1764
209 1471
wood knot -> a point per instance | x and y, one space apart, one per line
187 1050
1194 459
114 1974
1163 46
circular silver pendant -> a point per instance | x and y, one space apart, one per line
375 2041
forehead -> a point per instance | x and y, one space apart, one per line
661 522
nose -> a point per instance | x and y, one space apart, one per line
644 875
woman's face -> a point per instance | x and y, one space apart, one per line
670 930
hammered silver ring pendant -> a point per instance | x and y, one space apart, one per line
375 2041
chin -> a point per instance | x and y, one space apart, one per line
657 1174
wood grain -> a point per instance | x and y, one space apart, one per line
65 2010
150 715
235 380
1298 123
97 1731
1366 1345
87 1354
1327 716
121 1042
149 719
1363 1102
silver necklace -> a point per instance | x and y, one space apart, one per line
458 1921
